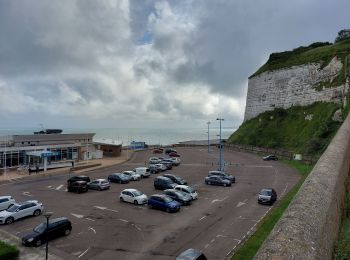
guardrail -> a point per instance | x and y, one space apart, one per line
309 227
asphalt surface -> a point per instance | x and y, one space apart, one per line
104 228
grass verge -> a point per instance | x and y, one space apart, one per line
252 245
8 252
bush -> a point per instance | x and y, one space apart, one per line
8 252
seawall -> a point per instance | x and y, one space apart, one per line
309 227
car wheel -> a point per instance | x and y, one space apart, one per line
168 210
135 202
225 184
119 182
37 212
67 232
209 183
9 220
121 199
38 243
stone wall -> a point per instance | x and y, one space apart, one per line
309 226
293 86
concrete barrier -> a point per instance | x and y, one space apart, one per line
309 227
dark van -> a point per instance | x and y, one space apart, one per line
163 183
78 186
57 227
78 178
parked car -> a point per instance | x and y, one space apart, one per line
191 254
99 184
161 166
174 160
57 227
270 157
143 171
169 150
133 175
154 160
179 196
223 175
188 190
168 165
172 154
217 180
163 202
133 196
119 178
154 169
78 178
6 202
157 150
267 196
77 186
176 179
21 210
163 183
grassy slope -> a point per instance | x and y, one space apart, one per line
289 130
310 54
8 252
252 245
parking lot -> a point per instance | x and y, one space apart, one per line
105 228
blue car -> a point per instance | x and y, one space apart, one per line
163 202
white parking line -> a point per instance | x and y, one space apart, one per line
26 193
91 228
241 203
124 220
105 208
59 187
83 253
202 218
139 229
217 200
77 215
90 219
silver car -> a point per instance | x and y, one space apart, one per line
99 184
133 175
21 210
6 202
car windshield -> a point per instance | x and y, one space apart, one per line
40 228
13 208
137 193
123 176
190 189
265 192
167 199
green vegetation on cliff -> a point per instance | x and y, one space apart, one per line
8 252
290 129
318 52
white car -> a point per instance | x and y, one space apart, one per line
21 210
6 202
188 190
133 175
143 171
154 160
133 196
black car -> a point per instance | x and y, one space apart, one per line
217 180
77 186
57 227
270 157
179 196
78 178
163 183
170 150
223 175
176 179
267 196
119 178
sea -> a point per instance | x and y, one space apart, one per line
151 136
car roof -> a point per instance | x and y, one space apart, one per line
100 180
5 197
130 190
160 195
58 219
182 186
163 178
80 182
26 202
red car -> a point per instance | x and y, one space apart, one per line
173 154
157 150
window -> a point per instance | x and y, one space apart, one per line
3 200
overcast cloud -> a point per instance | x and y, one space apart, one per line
88 63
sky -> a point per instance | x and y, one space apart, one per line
145 63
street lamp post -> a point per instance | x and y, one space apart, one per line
47 215
208 123
220 146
